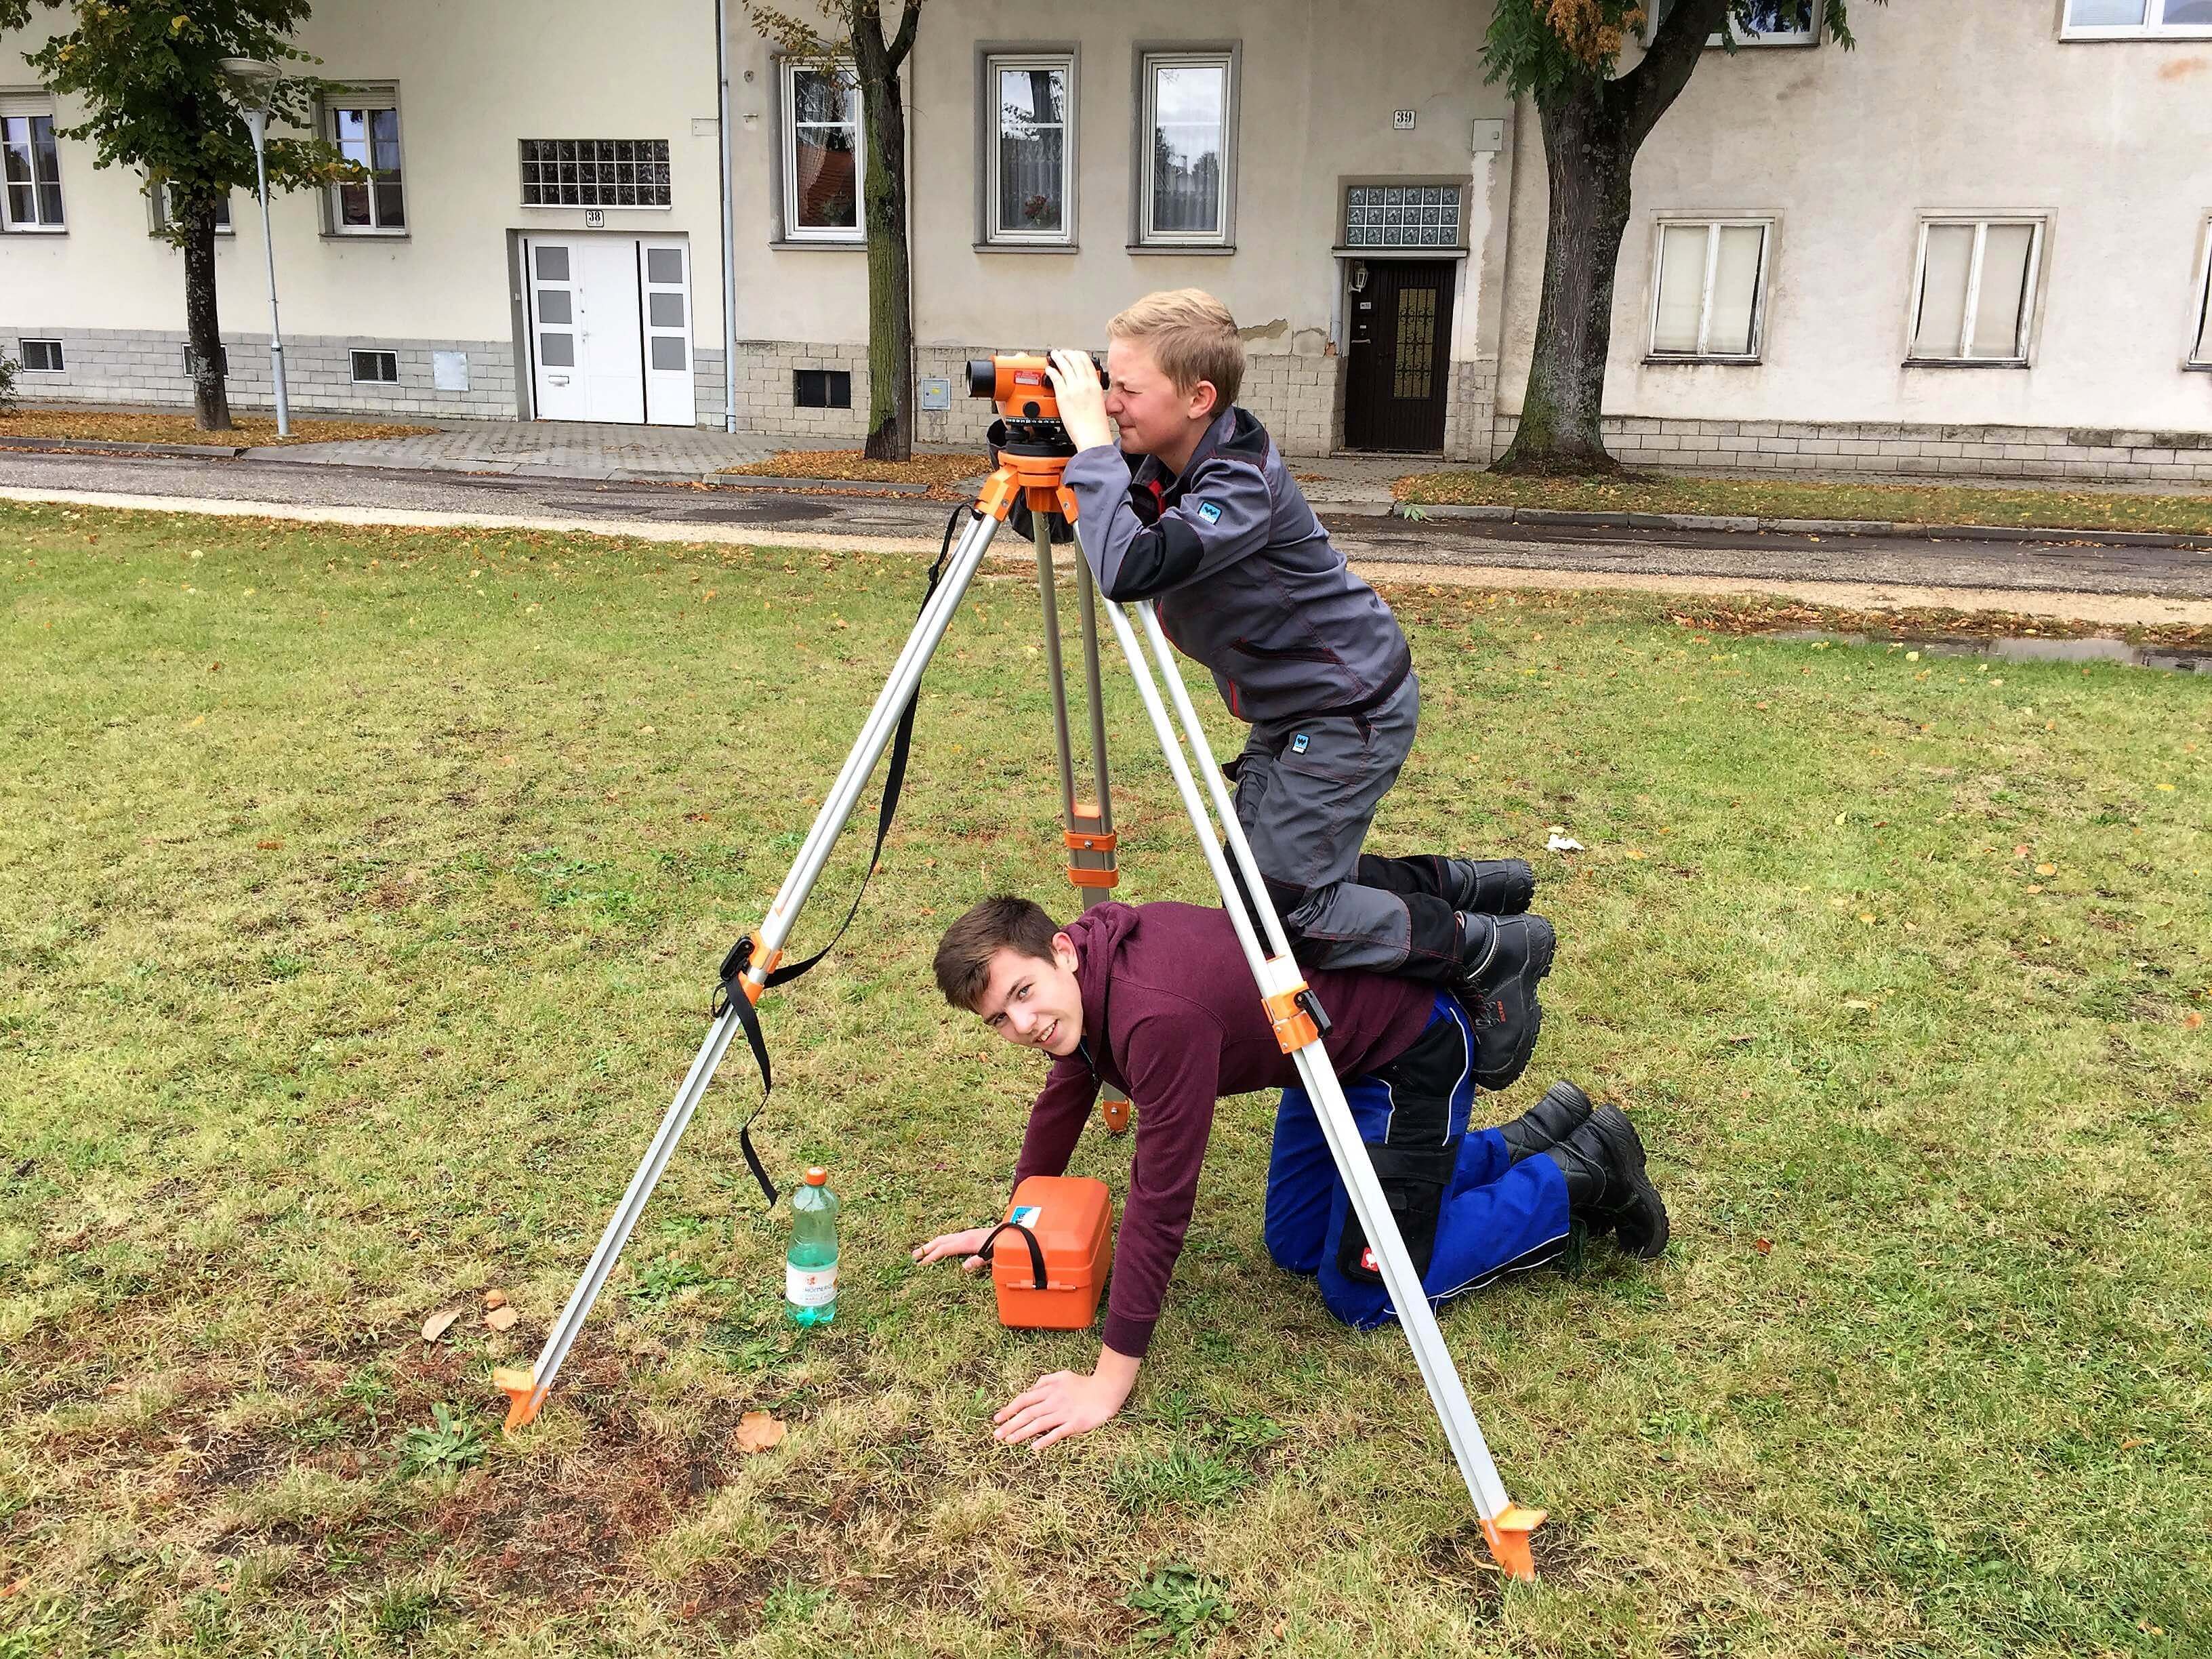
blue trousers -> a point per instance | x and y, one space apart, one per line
1493 1217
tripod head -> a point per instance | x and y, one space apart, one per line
1024 393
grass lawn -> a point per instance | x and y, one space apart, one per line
2053 506
145 426
360 892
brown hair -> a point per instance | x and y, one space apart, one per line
1008 923
1192 338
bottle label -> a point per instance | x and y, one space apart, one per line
810 1287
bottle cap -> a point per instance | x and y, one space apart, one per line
817 1176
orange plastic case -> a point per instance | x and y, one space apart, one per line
1072 1218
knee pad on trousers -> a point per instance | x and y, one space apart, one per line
1414 1180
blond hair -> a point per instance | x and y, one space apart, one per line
1192 338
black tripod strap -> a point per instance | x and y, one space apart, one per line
1037 1250
730 995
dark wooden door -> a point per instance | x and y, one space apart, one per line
1401 348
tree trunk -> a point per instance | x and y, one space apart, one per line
1589 150
203 337
890 306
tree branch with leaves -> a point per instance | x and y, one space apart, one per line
1595 116
854 29
157 99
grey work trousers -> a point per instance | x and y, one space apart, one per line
1306 792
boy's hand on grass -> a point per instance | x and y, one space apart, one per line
1067 1403
960 1244
1075 379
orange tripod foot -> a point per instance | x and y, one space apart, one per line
1116 1115
523 1398
1507 1537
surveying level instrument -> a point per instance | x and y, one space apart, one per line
1032 451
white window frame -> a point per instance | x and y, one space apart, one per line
2196 349
2023 352
787 140
157 199
22 349
1148 65
34 106
993 232
1809 35
1714 224
355 354
2153 27
367 99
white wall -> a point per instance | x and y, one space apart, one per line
1971 104
475 77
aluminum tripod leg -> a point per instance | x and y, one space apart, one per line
1505 1525
526 1390
1088 825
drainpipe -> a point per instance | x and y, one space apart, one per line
729 218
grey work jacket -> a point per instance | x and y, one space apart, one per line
1246 580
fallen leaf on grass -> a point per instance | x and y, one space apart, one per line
1763 1246
439 1324
268 846
2021 851
758 1430
1636 852
495 1299
2046 869
501 1318
2192 1020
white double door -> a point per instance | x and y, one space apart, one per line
610 328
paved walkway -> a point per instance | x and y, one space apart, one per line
580 449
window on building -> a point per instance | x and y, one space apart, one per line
159 195
1974 292
376 367
2117 20
365 127
2200 354
30 167
629 173
821 152
1188 155
1708 300
40 356
1401 216
822 388
1767 23
1031 147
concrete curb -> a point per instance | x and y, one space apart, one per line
120 446
771 481
1984 532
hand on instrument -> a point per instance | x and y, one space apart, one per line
1082 400
1067 1403
951 1244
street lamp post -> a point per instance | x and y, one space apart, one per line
255 75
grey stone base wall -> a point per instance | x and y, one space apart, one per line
1987 452
1299 398
1469 417
147 366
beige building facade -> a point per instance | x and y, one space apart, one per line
1979 243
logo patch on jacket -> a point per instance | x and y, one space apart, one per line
1298 744
1210 511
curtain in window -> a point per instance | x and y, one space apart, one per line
1943 291
1189 107
825 148
1032 149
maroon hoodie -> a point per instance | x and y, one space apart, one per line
1171 1017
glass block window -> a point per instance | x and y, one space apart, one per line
1401 216
596 172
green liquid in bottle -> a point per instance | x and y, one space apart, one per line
810 1265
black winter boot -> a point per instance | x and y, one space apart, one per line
1603 1162
1501 960
1564 1109
1491 887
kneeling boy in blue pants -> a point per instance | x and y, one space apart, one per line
1157 1000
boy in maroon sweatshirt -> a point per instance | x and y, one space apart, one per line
1158 1000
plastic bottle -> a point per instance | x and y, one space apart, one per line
810 1266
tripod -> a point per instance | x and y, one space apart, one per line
1029 472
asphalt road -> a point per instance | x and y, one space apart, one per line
1905 561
